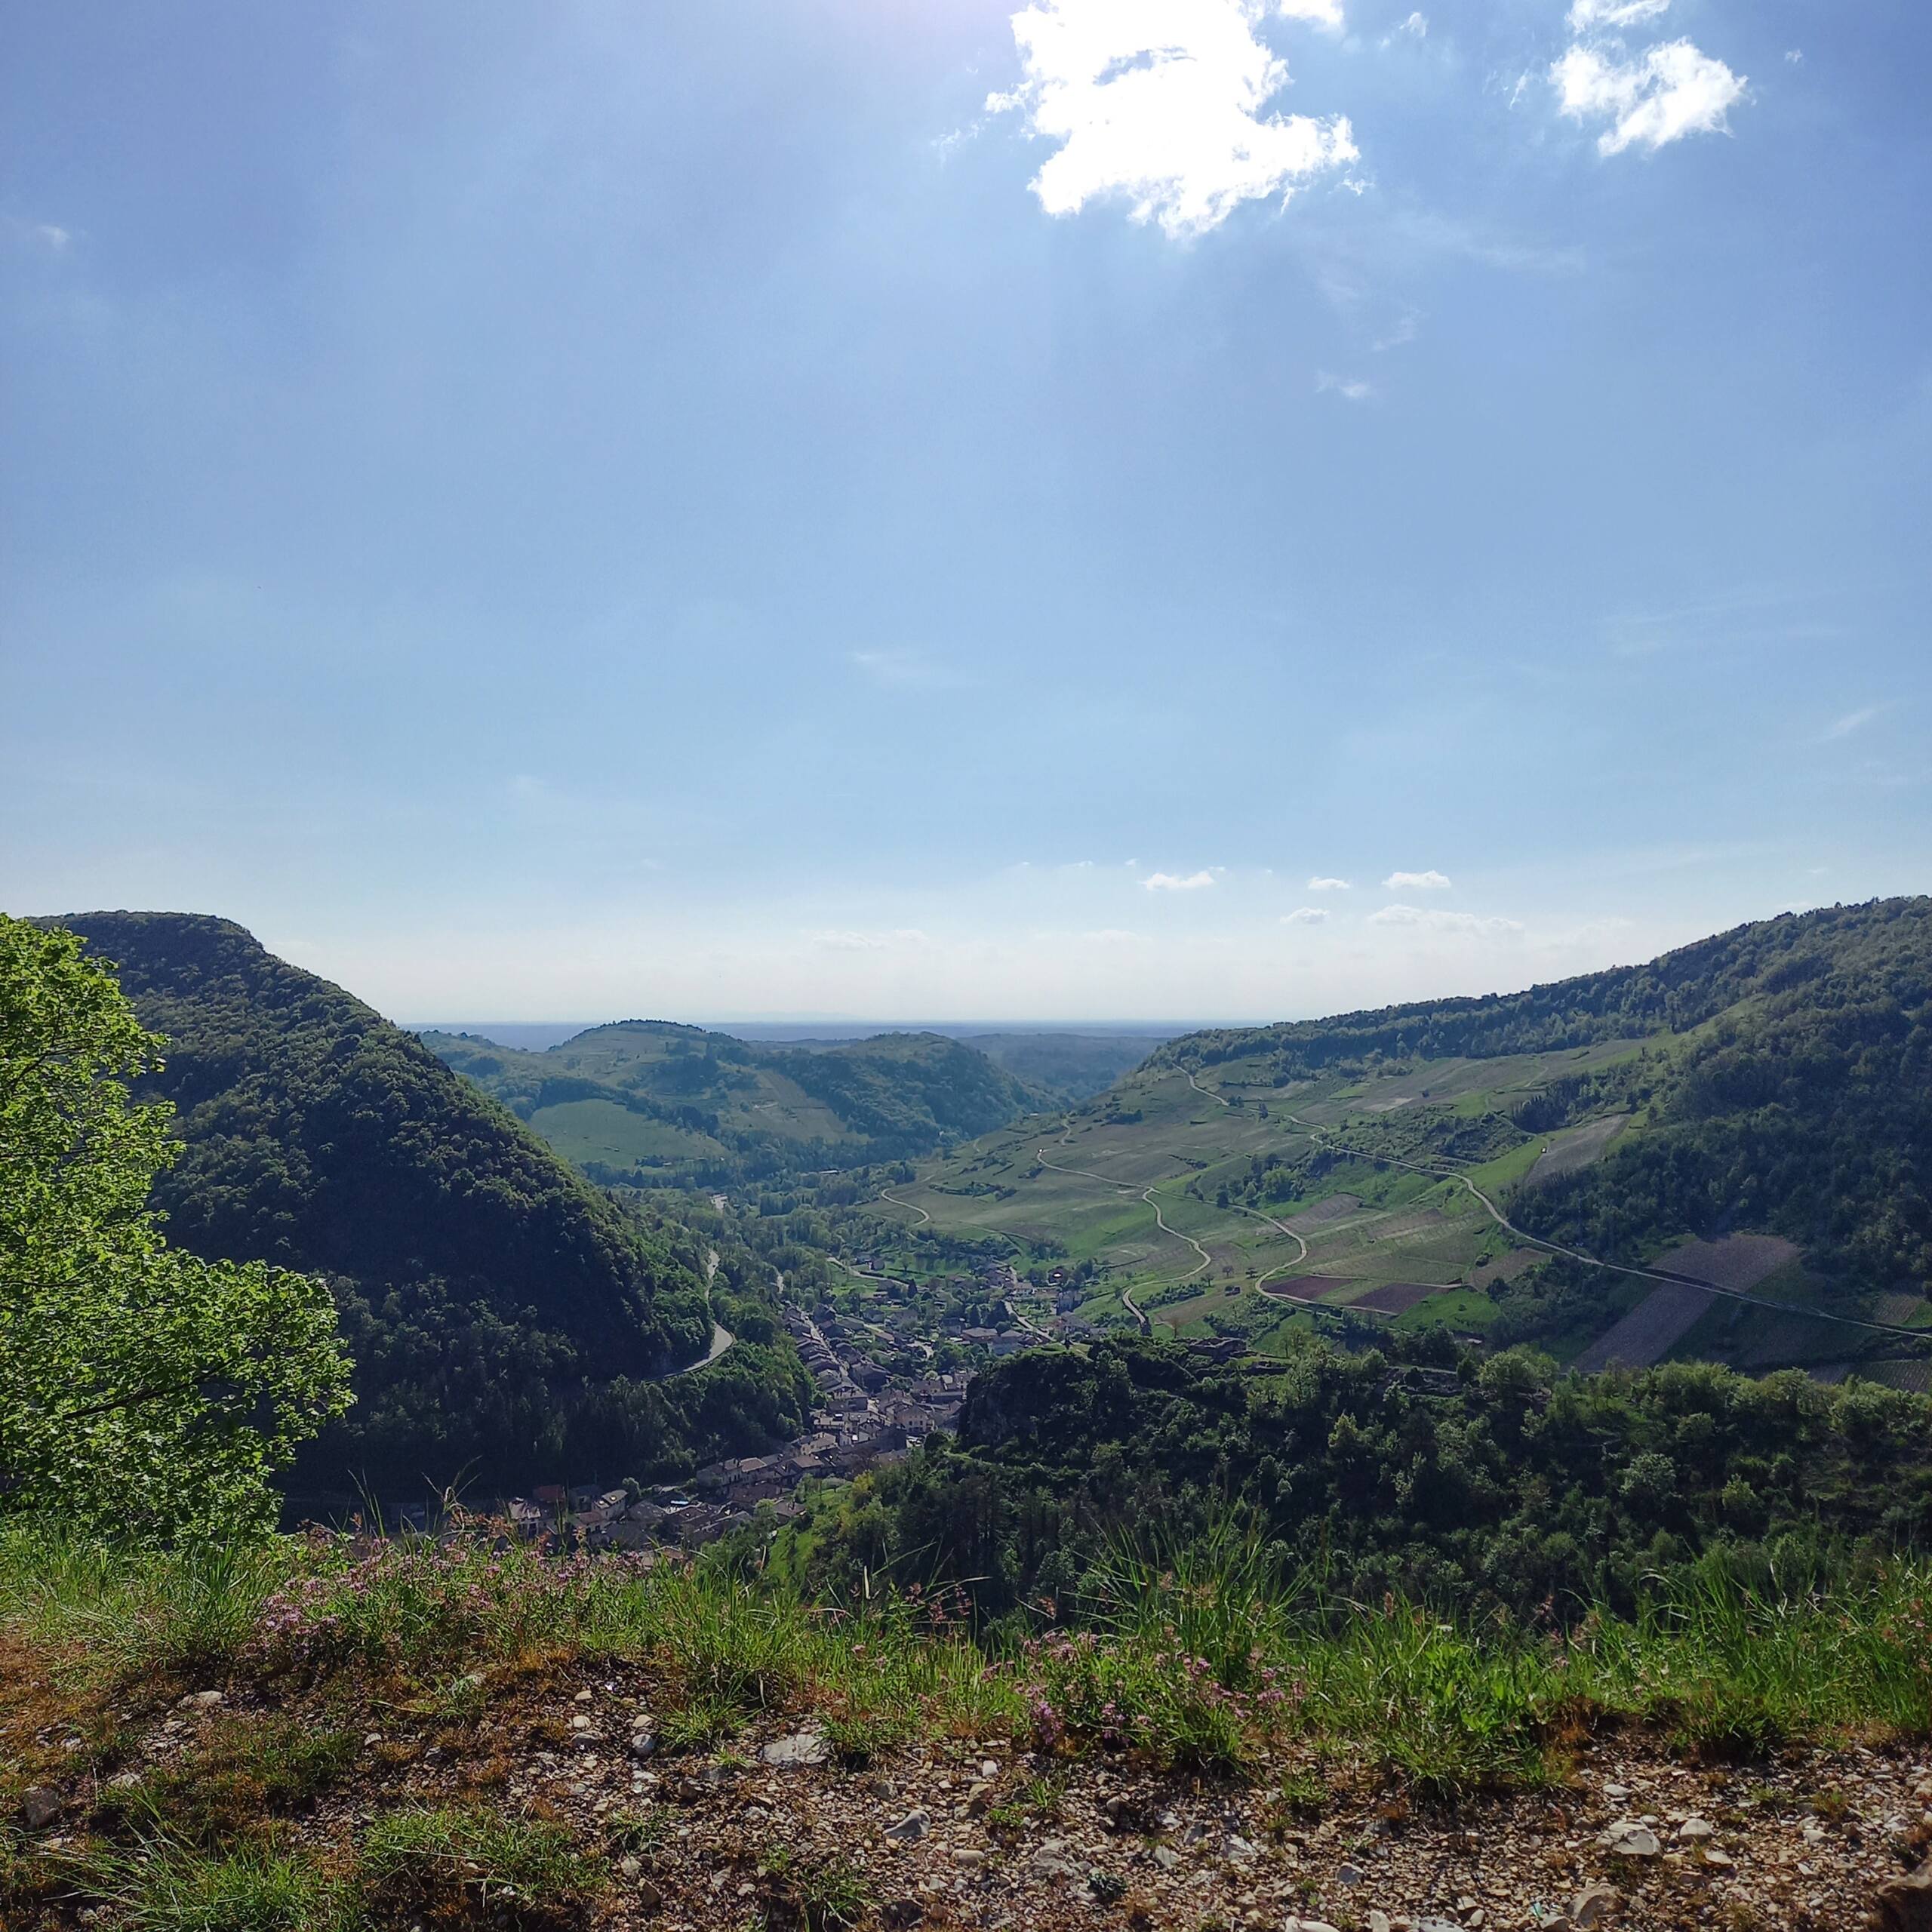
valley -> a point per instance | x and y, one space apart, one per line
1235 1191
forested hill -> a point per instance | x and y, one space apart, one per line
1844 957
1789 1089
642 1101
485 1290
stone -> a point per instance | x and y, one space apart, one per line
1237 1850
1595 1904
644 1744
1905 1905
1349 1875
1378 1921
39 1807
1628 1838
1166 1857
802 1749
630 1866
579 1722
988 1768
649 1895
915 1824
979 1797
1617 1793
1694 1829
1722 1860
1294 1924
897 1914
201 1700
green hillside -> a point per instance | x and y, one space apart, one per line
1753 1113
645 1101
506 1319
1069 1067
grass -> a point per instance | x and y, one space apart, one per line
163 1886
1208 1658
432 1860
823 1895
271 1764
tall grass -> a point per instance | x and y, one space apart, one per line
1207 1654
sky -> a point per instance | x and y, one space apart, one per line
1192 509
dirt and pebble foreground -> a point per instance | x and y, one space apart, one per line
771 1829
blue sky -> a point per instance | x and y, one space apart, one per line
850 507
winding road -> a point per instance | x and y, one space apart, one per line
1661 1274
721 1337
1128 1301
1208 1090
911 1206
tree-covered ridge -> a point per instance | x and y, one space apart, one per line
640 1102
1503 1483
904 1093
1840 955
144 1393
1791 1091
492 1300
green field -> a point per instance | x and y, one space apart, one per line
604 1130
1085 1186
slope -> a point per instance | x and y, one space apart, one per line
1771 1081
492 1301
640 1102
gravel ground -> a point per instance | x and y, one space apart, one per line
975 1832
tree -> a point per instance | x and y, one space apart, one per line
144 1392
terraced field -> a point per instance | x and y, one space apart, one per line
1213 1204
1135 1181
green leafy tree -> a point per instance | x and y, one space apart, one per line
144 1392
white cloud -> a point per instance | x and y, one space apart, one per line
1407 326
1172 882
40 234
1161 101
1853 720
899 669
1351 388
1306 916
1416 882
1795 56
1670 90
1113 936
1416 26
1589 15
1433 920
1329 885
869 942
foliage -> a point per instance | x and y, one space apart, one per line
507 1320
1508 1486
1208 1652
142 1387
705 1110
1790 1090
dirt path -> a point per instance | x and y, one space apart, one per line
1199 1089
1255 1213
911 1207
1128 1301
